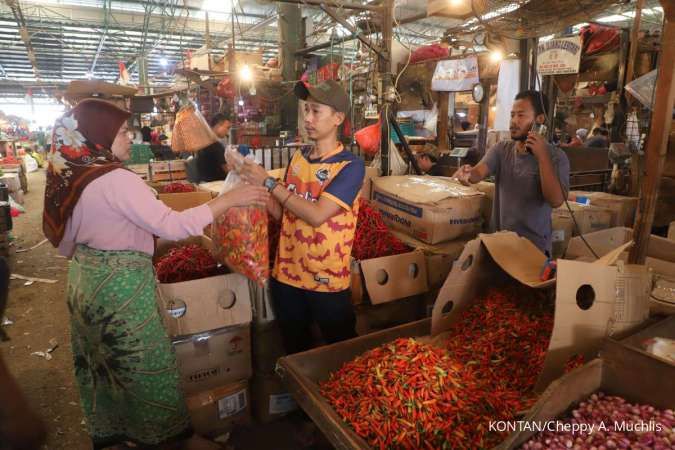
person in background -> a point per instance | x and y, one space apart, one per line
209 163
104 217
531 176
600 138
428 161
578 139
221 125
146 134
318 206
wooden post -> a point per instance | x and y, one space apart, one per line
657 142
634 38
442 127
483 128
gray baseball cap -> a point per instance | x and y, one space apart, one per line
327 93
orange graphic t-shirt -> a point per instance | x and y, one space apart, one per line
318 259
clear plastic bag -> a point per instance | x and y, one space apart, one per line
240 236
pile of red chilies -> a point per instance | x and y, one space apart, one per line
408 395
372 238
177 187
186 263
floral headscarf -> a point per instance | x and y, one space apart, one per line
79 154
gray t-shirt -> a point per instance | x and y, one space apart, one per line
519 204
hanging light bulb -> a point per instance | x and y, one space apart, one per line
245 73
496 56
163 62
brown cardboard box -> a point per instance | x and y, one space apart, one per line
267 347
562 231
201 305
367 189
394 277
215 358
180 201
431 209
438 268
589 218
660 260
270 399
219 410
623 208
486 205
167 170
612 297
671 231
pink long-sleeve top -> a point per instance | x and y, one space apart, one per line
118 211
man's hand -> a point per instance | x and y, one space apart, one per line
537 145
253 173
463 174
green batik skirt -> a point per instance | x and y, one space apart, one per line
124 363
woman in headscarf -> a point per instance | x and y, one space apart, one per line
104 217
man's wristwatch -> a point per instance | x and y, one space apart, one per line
270 183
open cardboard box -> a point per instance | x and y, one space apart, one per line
660 260
218 410
206 304
180 201
592 299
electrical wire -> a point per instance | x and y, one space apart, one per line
562 188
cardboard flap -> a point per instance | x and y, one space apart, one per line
180 201
395 277
518 257
425 190
612 257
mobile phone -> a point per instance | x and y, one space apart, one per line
538 128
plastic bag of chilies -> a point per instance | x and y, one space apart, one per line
240 236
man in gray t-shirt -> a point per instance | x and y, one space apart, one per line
532 177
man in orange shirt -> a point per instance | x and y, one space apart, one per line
318 206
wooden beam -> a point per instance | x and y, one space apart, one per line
657 142
442 127
634 44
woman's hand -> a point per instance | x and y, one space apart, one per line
247 195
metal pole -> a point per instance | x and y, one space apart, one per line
384 64
343 5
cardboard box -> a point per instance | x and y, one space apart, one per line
167 170
218 410
612 297
215 358
487 202
671 231
660 260
180 201
367 189
207 304
268 347
431 209
623 208
202 305
390 278
589 218
271 399
561 234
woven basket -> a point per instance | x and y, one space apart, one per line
191 132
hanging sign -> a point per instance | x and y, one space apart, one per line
559 56
455 75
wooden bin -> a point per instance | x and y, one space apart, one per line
303 372
618 372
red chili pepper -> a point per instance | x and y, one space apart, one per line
186 263
178 187
372 238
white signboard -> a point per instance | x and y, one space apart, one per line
559 56
455 75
